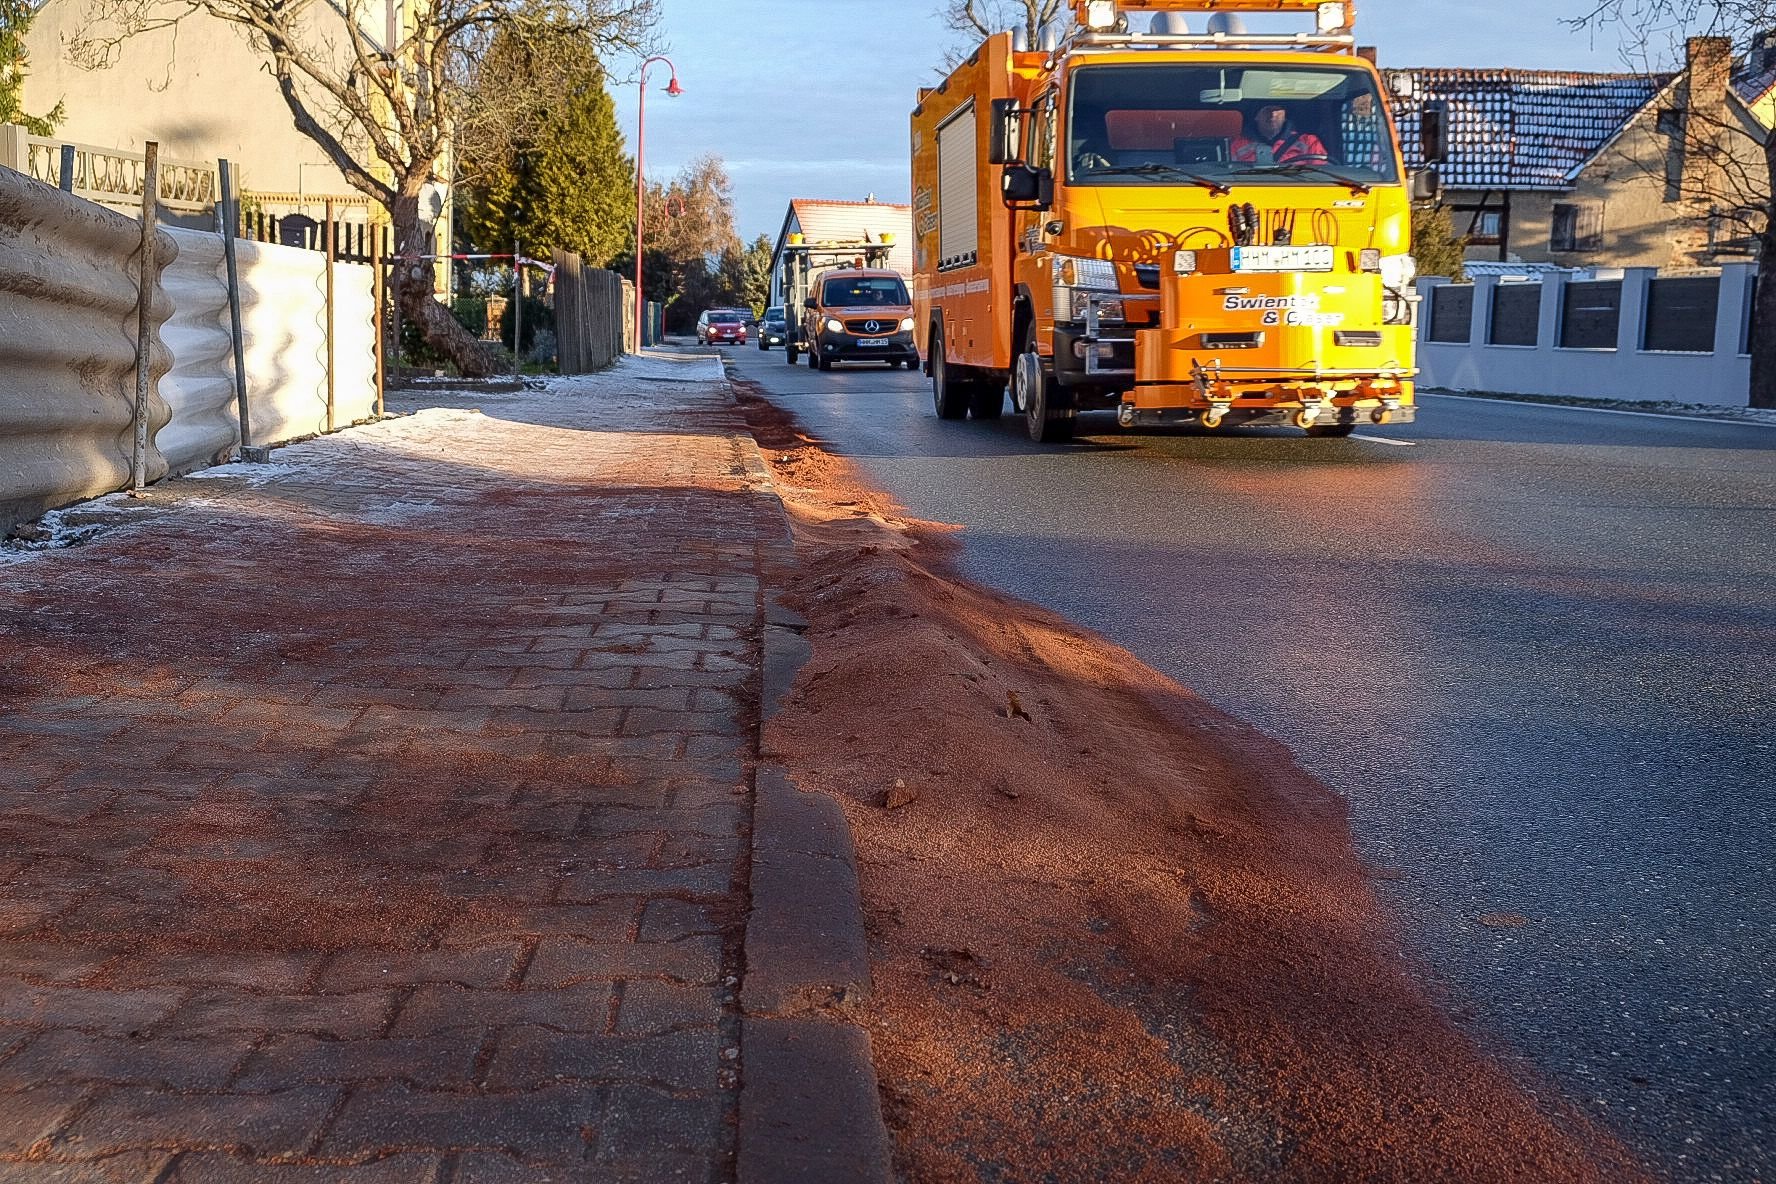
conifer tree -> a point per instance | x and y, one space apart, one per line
541 156
1435 245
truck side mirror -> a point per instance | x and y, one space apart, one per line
1427 186
1002 132
1021 185
1432 132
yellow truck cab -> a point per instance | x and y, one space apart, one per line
1182 224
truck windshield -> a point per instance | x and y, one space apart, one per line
1245 125
865 292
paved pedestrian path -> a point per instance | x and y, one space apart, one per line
381 814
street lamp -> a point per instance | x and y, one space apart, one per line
673 89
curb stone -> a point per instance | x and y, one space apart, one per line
810 1110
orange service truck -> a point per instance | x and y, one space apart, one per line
1182 223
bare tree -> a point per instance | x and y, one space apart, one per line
380 88
1729 174
980 19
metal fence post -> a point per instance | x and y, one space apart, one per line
332 251
517 310
230 220
144 313
379 294
67 173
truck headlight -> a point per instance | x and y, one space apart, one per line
1074 272
1077 280
834 326
1110 307
1398 271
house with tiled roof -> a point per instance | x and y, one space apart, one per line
1640 170
846 221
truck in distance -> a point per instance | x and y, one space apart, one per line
1184 226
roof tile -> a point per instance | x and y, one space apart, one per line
1521 129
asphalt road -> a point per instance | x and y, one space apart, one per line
1533 646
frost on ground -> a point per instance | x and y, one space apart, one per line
649 366
51 532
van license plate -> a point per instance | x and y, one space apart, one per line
1282 258
866 344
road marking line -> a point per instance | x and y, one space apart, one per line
1391 443
1754 423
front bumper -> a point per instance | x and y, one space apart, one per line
845 347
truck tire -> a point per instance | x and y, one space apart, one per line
1045 408
988 400
949 397
790 352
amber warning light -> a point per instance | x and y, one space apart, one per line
1330 16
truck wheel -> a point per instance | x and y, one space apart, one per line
988 400
1333 429
1045 413
949 397
790 353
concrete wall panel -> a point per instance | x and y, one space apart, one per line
1624 370
68 296
205 426
284 314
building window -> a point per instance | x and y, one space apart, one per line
1488 228
1671 122
1577 227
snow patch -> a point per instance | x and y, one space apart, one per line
52 532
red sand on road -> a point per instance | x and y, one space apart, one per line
1116 935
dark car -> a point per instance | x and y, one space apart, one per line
721 326
774 329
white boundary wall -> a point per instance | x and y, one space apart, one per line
67 348
68 295
1626 372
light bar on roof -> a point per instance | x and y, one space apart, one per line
1099 15
1332 17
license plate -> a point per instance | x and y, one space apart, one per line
871 344
1282 258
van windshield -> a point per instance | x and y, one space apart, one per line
1245 125
864 291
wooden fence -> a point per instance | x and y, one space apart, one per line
590 315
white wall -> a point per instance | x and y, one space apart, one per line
67 348
68 292
1626 372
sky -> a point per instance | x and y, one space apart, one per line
810 98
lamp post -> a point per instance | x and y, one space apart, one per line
673 89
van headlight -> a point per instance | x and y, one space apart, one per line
1077 280
906 326
833 325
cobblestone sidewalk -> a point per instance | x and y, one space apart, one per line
381 814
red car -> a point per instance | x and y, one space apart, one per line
721 326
